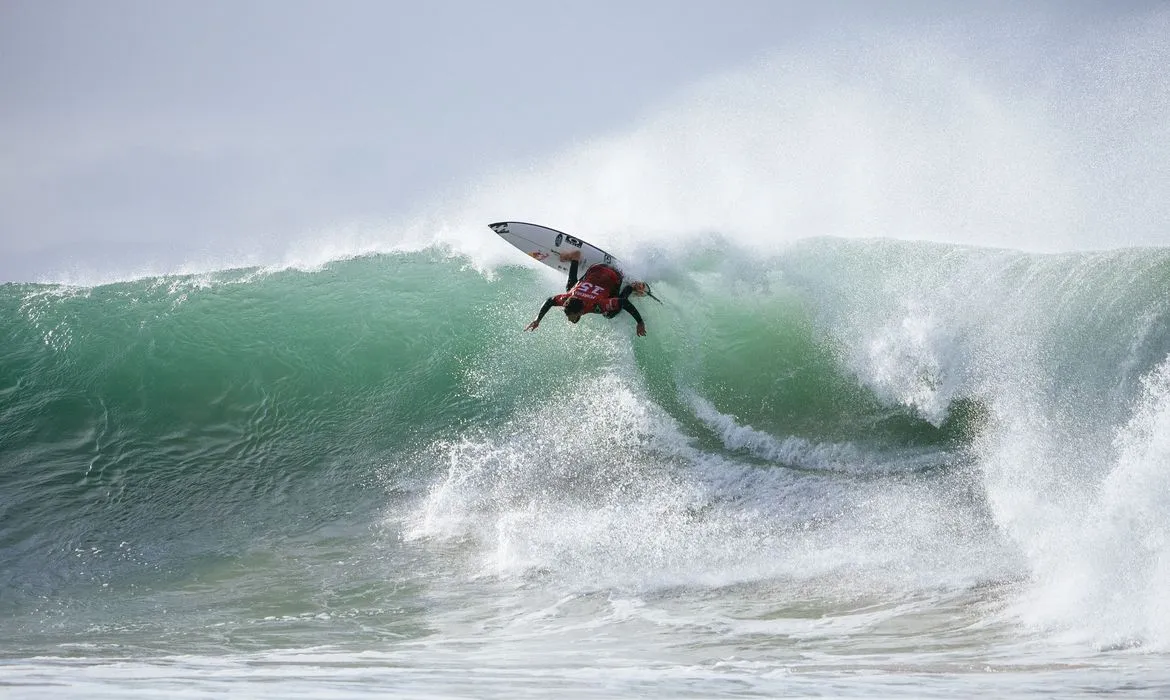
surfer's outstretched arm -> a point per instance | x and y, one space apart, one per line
548 304
629 307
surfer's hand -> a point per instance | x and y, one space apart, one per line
533 326
641 329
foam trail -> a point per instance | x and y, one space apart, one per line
799 452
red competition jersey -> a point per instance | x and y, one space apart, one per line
597 290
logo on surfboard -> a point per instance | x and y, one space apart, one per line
561 238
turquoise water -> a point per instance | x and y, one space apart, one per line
833 469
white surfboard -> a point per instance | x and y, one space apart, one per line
546 245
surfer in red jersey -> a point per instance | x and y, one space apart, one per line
596 292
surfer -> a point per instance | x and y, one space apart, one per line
596 292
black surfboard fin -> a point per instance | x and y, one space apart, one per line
651 294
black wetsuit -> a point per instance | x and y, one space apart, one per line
624 295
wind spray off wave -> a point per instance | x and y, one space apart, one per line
835 460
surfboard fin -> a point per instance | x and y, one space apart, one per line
647 292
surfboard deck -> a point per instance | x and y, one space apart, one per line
547 244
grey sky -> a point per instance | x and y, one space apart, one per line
150 133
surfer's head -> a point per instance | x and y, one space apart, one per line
573 309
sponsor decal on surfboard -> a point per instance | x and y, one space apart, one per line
546 245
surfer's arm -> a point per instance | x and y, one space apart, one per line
629 307
574 258
548 304
573 267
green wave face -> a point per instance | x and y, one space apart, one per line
202 419
166 405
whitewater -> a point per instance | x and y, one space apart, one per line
900 428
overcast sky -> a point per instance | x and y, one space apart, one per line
159 130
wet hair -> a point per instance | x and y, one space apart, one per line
574 306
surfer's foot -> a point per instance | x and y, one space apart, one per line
571 255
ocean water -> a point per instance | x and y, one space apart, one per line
901 427
853 468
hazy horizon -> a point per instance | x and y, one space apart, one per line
149 136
